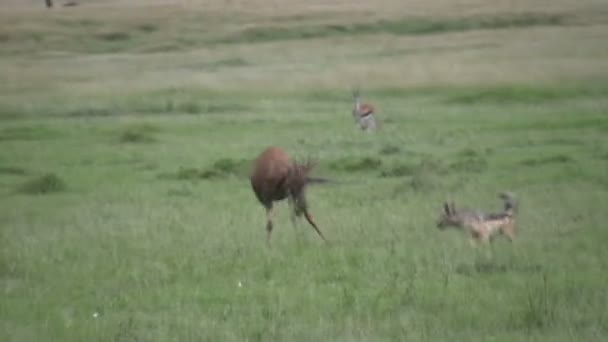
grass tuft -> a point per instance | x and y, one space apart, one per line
423 182
526 94
468 152
222 168
148 28
426 165
400 170
556 159
86 111
352 164
230 62
539 311
114 36
390 150
226 167
138 134
45 184
26 133
12 170
469 165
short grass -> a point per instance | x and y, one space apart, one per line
127 130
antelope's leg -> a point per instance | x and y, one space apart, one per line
292 210
312 223
268 222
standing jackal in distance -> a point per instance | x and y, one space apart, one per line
364 113
275 177
482 226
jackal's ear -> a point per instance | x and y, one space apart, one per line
452 207
446 208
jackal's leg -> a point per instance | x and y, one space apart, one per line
509 231
473 237
484 238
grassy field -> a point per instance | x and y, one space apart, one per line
127 129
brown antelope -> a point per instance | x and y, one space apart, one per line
363 113
275 177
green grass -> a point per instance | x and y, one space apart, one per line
95 35
126 213
401 26
527 94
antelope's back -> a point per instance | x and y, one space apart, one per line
269 168
366 109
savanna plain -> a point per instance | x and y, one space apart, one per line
128 128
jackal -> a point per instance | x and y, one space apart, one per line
482 226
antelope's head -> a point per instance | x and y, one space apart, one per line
357 97
356 104
356 93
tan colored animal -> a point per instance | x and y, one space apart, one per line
364 113
480 226
276 177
